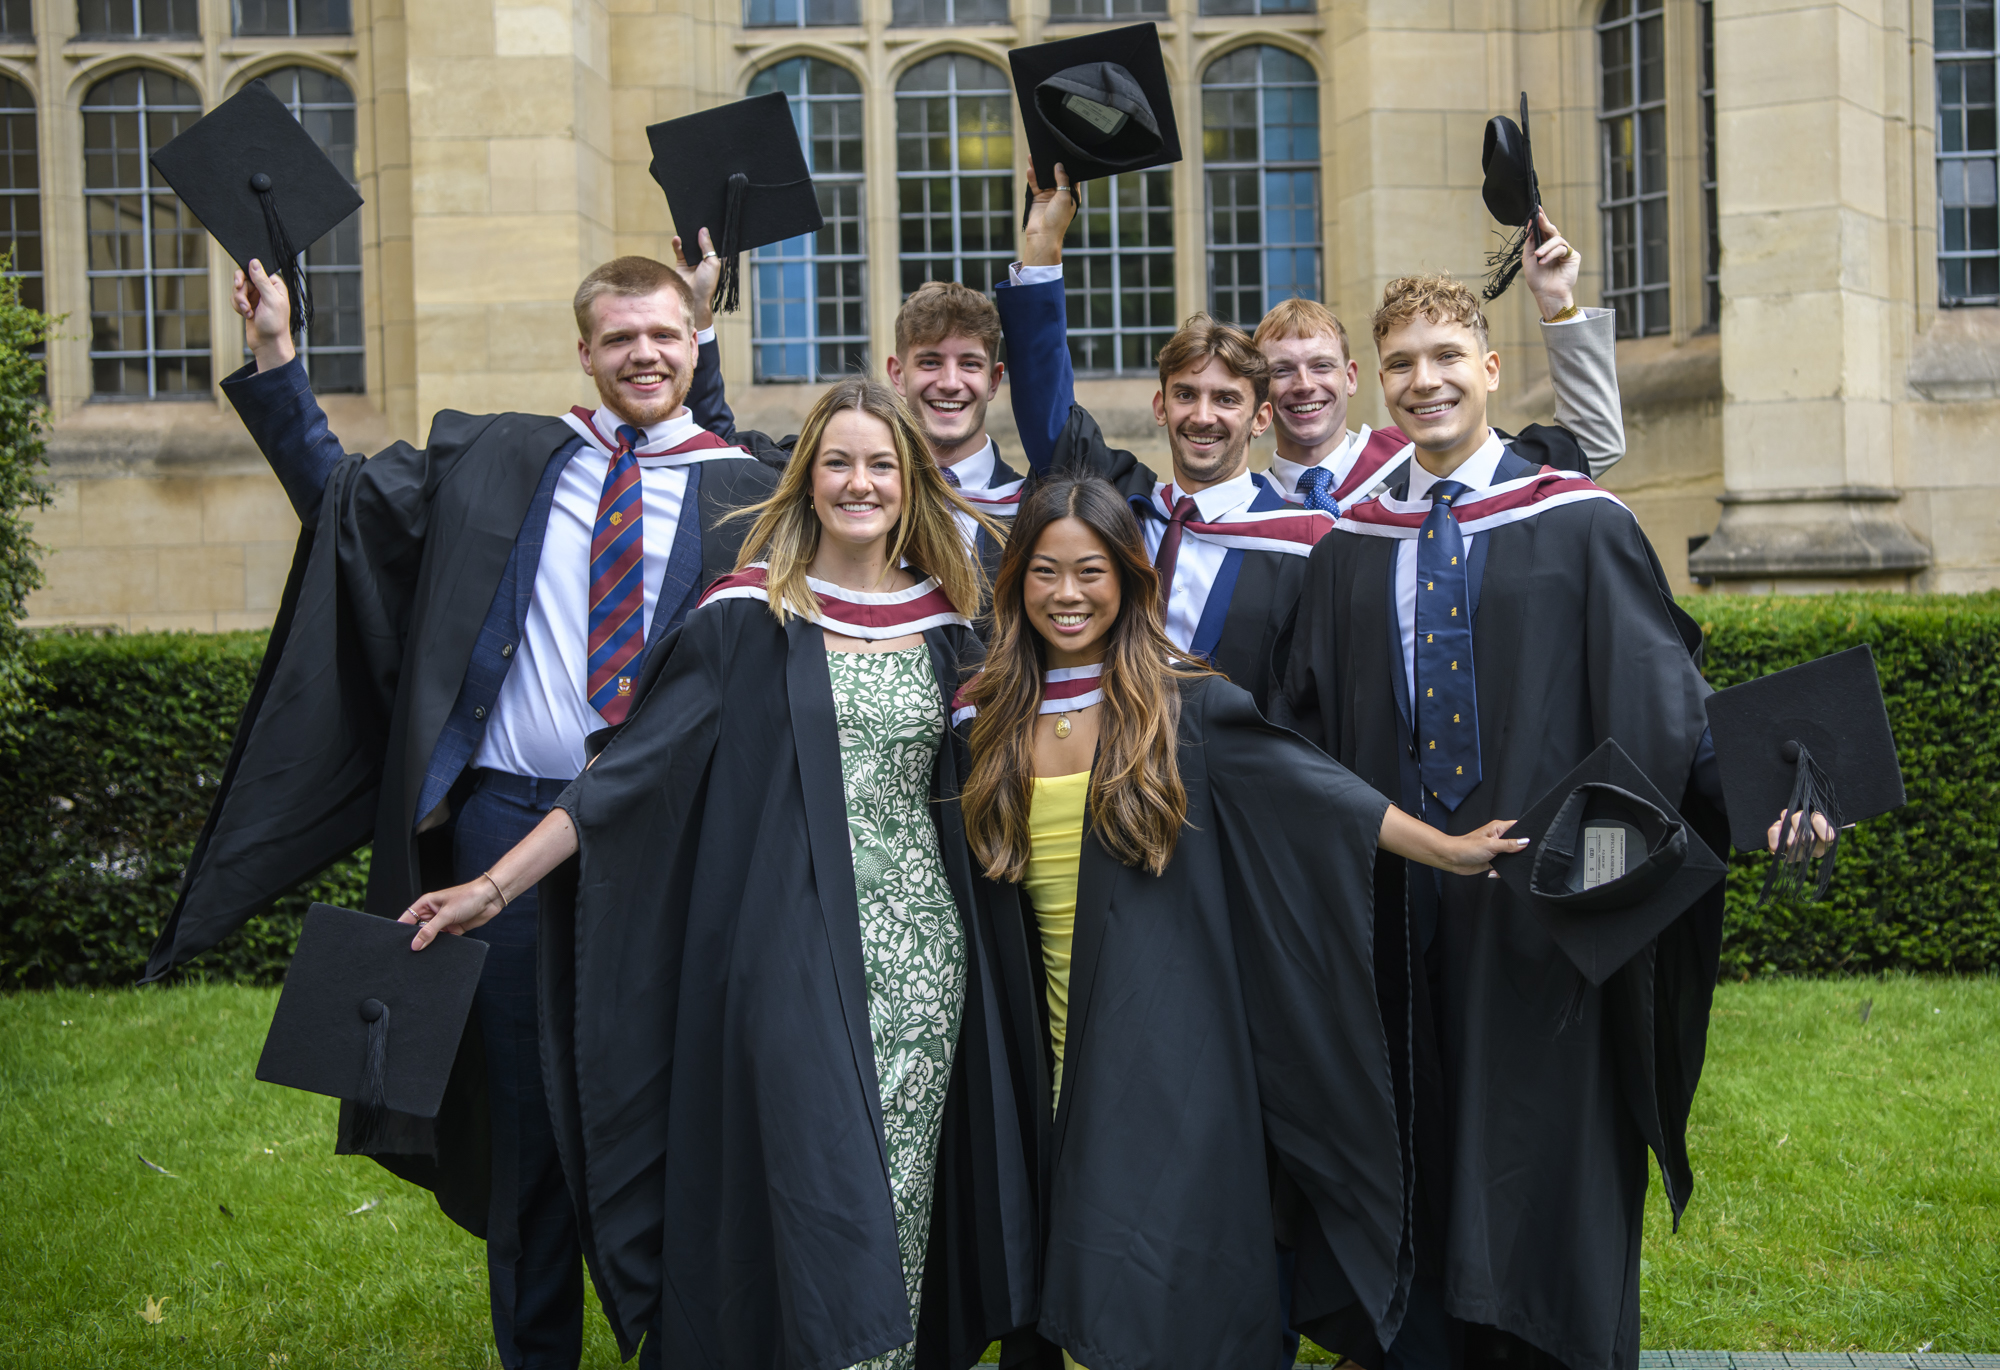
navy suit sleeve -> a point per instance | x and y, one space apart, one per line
290 429
1040 382
705 398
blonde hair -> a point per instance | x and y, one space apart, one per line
786 534
1301 318
1439 297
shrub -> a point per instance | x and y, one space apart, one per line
22 489
113 777
117 765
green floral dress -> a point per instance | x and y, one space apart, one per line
891 719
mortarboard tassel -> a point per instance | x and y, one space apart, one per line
372 1117
728 283
1503 266
287 255
1812 792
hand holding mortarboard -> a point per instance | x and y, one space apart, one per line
1050 213
702 276
266 307
1551 270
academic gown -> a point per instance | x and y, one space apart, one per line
1537 1096
1222 1013
706 1040
388 591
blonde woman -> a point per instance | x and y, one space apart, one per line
773 1026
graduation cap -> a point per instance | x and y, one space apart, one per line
1610 862
1513 194
363 1017
256 179
1099 103
738 171
1811 739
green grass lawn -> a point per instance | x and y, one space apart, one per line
1848 1191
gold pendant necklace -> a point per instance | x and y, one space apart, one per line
1062 725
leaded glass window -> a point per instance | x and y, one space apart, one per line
1968 236
942 13
1260 144
1118 273
291 18
955 172
138 19
1632 123
147 257
808 315
798 14
20 191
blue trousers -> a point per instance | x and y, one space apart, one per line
534 1260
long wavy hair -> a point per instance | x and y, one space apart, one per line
1137 801
786 534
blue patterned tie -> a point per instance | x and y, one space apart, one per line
1313 486
950 476
1447 699
617 582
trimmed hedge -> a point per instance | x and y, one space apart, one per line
114 776
111 780
1918 889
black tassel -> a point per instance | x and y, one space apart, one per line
288 264
728 284
1812 793
1503 266
372 1117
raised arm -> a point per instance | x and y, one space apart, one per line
1583 352
274 397
705 399
1040 382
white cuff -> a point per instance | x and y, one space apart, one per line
1032 275
703 336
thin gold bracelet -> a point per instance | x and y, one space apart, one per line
1563 317
487 876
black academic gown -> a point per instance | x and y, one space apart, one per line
1537 1097
387 593
1222 1013
706 1040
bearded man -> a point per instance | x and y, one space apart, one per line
459 617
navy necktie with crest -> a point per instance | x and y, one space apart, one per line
1447 699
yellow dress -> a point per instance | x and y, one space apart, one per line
1055 847
1055 850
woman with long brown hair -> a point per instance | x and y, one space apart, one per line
773 1023
1200 884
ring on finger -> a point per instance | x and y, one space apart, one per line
711 256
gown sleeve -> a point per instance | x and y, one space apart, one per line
611 951
1299 835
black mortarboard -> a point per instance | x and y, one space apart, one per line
1610 862
1099 103
363 1017
738 171
255 178
1513 194
1811 739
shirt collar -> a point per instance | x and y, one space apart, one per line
660 438
1285 473
1476 472
975 473
1217 500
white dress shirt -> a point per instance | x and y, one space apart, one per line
1199 561
975 477
1285 473
543 712
1475 473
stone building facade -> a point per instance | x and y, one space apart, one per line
1791 204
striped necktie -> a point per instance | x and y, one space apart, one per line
1312 487
1447 699
617 582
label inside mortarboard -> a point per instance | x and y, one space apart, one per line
1101 117
1603 855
